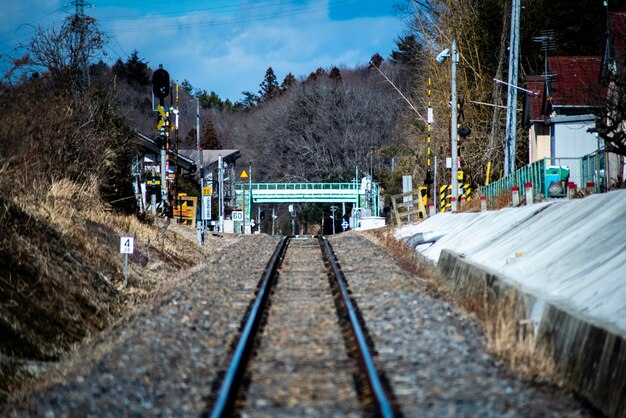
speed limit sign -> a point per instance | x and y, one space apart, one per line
237 215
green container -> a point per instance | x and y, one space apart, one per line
562 172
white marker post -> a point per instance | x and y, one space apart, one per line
127 245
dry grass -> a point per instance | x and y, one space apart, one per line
409 260
473 205
508 333
61 274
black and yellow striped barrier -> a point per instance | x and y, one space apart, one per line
445 193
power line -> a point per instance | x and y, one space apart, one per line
261 17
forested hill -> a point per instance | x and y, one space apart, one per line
315 128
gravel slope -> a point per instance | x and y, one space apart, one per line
431 353
163 360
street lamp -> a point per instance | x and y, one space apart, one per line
454 181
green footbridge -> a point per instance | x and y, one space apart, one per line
266 193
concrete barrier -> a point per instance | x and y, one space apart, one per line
591 358
564 265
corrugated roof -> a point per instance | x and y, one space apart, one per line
534 101
573 82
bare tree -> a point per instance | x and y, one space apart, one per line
319 130
611 117
67 51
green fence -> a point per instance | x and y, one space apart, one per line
589 168
533 173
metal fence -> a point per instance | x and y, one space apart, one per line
583 170
592 171
532 173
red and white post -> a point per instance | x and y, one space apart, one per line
571 189
515 195
528 187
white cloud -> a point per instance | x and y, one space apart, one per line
232 64
227 46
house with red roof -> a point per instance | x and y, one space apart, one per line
562 107
562 104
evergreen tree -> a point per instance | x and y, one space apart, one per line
250 100
376 60
134 70
208 136
269 86
335 74
186 85
409 52
290 80
209 100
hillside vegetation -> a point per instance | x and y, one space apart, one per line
68 135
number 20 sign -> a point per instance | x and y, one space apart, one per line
127 245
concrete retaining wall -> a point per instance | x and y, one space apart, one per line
564 265
592 359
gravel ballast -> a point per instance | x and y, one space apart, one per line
165 360
431 353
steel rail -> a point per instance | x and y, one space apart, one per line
228 389
380 395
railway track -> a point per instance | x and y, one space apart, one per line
302 350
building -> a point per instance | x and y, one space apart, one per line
564 103
209 169
146 170
562 107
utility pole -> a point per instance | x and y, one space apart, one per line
511 109
201 161
454 181
428 181
250 192
176 121
79 30
243 202
220 183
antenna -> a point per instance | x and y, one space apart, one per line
546 39
79 38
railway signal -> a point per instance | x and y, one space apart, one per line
160 83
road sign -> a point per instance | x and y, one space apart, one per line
244 175
237 215
206 190
345 225
206 203
127 245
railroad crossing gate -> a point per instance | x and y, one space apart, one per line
445 193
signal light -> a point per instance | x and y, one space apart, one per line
161 83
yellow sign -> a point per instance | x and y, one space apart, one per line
244 175
206 191
161 111
160 124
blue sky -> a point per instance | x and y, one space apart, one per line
225 45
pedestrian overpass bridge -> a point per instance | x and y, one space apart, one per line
265 193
